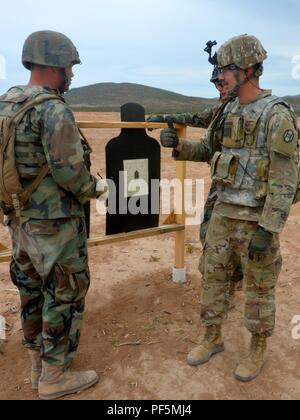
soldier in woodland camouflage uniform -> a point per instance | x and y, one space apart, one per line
50 261
253 150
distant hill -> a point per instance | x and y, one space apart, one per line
295 102
110 97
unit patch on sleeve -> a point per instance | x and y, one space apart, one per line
289 136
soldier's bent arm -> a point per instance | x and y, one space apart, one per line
193 151
199 119
283 173
64 151
203 119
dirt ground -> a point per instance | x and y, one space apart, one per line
139 326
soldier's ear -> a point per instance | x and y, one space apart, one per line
55 70
249 72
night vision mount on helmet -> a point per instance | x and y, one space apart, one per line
213 60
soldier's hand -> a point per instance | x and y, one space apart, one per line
169 138
176 118
260 243
156 119
102 190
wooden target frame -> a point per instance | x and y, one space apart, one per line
173 223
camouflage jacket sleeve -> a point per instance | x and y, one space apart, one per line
87 151
203 119
204 150
64 151
194 151
283 174
200 119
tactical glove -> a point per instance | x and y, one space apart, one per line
169 138
260 243
156 119
176 118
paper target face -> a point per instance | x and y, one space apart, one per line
136 177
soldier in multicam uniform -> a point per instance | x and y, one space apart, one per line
253 150
50 261
203 120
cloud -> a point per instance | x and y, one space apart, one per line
155 42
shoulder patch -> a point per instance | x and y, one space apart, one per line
284 137
289 136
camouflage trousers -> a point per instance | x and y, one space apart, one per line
227 243
234 269
235 272
50 269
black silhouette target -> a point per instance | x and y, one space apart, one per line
133 162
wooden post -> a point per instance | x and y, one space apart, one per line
3 247
179 272
177 225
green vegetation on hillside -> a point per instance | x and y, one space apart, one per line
109 97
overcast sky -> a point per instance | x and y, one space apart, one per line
155 42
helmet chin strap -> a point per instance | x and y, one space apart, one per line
239 83
63 86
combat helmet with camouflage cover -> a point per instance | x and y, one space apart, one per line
49 48
244 52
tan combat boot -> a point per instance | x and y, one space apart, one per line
250 367
36 368
212 343
55 382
